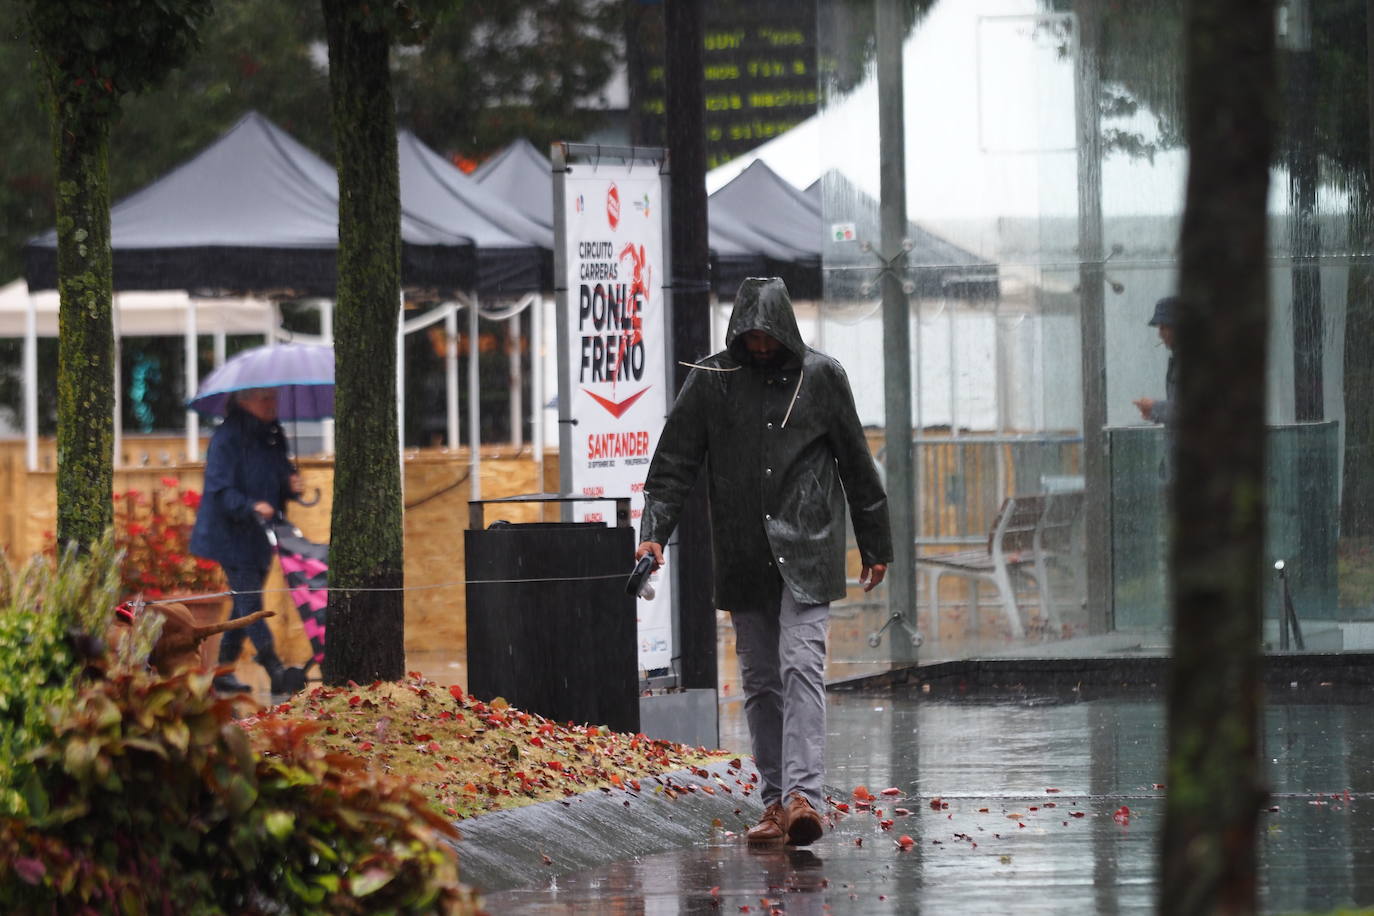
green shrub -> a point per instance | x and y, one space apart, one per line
152 801
48 612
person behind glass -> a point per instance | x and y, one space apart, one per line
248 479
1165 318
773 423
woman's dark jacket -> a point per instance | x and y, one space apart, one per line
247 463
783 448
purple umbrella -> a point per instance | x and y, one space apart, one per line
303 375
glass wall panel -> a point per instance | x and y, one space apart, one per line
1045 170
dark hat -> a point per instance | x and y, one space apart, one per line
1166 312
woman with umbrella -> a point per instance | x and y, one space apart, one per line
248 479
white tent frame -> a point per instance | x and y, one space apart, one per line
159 314
239 315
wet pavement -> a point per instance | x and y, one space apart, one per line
1040 804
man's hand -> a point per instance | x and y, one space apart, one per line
295 485
264 509
652 547
1145 406
870 576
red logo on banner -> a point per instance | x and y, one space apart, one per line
616 408
613 206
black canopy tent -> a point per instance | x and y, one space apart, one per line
255 211
514 250
783 225
522 177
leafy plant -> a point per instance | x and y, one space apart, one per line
49 612
153 801
154 531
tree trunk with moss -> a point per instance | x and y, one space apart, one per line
366 608
1208 844
85 374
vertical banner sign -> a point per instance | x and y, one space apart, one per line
614 361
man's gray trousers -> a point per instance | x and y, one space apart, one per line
782 666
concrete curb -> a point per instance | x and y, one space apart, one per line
508 849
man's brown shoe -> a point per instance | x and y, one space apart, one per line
804 825
770 828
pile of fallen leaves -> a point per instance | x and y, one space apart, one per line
469 757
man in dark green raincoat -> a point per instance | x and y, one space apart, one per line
774 423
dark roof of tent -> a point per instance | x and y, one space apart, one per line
939 267
522 176
784 219
514 251
253 211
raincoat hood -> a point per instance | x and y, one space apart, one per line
762 304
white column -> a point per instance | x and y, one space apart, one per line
327 332
537 397
192 382
474 409
451 374
400 387
517 382
117 460
31 384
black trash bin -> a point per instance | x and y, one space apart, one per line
549 625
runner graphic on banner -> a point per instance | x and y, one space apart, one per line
616 359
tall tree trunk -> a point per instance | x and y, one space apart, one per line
1209 848
85 374
366 628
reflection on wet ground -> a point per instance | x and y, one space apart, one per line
1032 804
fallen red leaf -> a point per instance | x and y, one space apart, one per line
892 790
905 841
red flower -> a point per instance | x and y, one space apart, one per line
171 482
155 535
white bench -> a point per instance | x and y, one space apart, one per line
1028 534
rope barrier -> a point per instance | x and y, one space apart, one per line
405 588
